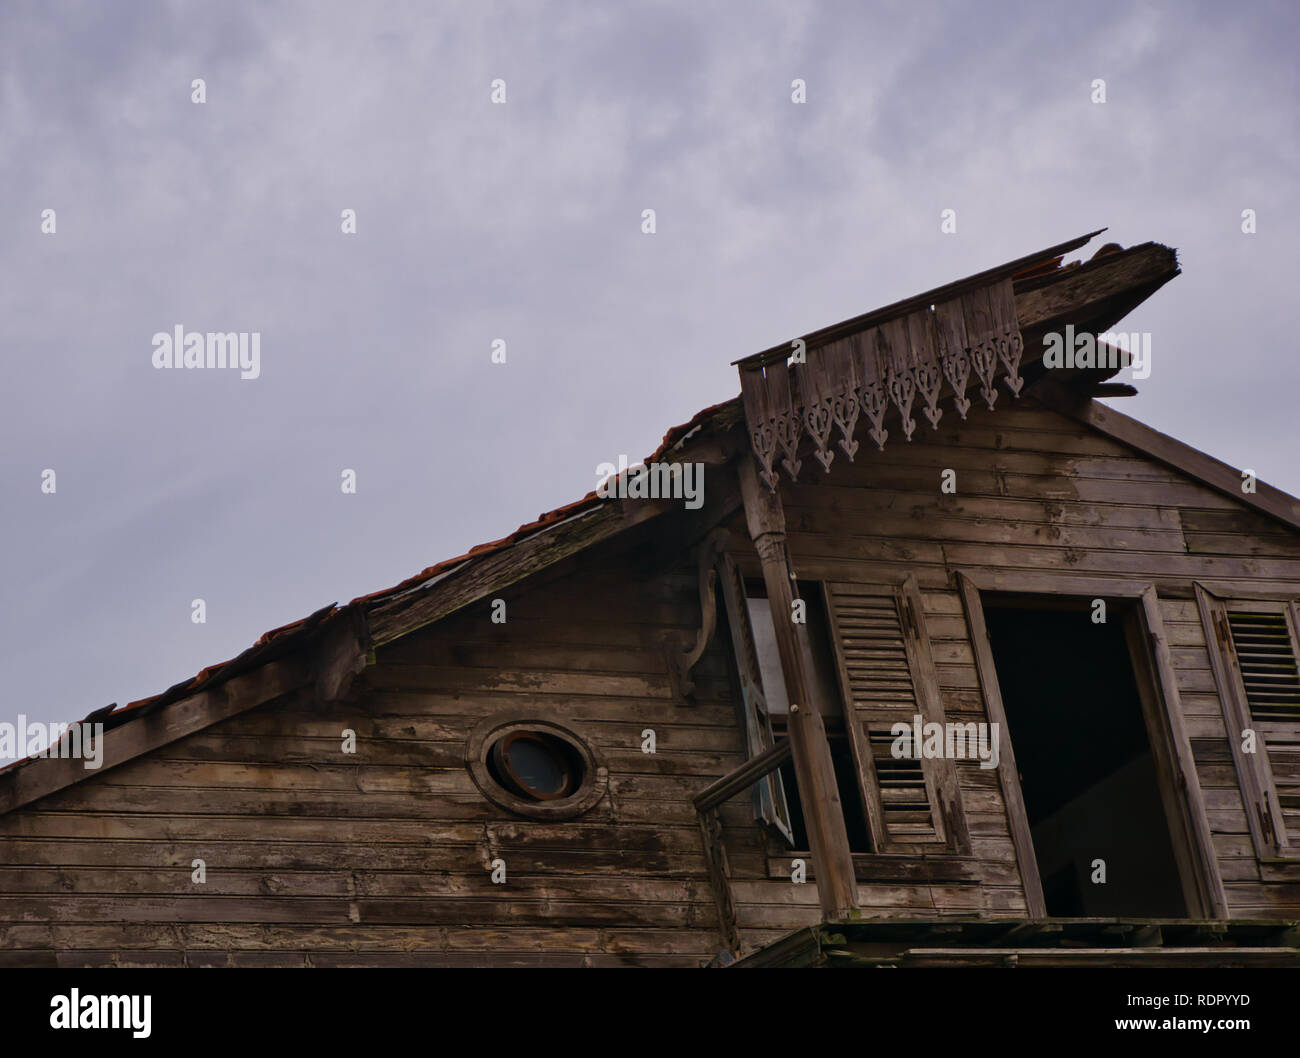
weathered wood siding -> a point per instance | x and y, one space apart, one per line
317 857
1037 492
383 857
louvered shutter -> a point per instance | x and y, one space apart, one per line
1253 652
888 677
770 805
1265 661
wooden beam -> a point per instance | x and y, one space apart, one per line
814 769
742 778
800 948
480 576
42 776
716 441
1076 294
492 572
343 653
1163 448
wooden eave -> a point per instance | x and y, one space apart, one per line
981 338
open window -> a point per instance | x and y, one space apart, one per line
872 670
1081 718
826 688
759 672
1073 692
1255 654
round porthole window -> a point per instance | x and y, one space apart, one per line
535 768
535 765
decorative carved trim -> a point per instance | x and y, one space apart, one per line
818 416
786 418
762 429
923 337
929 381
770 546
950 323
845 405
1002 302
981 341
901 382
890 363
876 404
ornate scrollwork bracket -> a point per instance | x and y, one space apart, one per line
682 655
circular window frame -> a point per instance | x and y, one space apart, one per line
499 754
487 734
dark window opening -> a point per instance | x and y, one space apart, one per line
535 765
1063 895
798 829
1083 752
846 781
826 683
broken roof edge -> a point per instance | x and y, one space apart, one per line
1035 262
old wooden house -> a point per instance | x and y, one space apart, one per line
948 663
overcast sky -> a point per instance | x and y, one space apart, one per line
477 221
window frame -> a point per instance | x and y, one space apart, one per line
591 788
941 777
499 753
771 809
1161 704
1264 815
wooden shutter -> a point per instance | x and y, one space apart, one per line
888 677
770 805
1257 667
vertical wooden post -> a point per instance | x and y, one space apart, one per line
823 814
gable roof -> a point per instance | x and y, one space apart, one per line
329 646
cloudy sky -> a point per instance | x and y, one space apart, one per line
477 221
